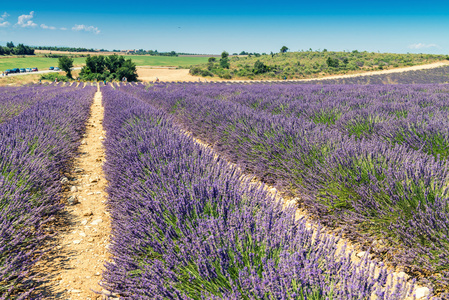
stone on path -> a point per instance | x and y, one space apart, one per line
422 292
94 179
361 254
72 200
96 222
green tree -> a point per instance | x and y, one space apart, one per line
211 59
224 61
65 63
20 50
108 67
332 62
114 62
259 67
10 44
210 66
95 63
128 70
284 49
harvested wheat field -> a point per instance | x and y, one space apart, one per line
166 74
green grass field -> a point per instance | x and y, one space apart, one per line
146 60
43 63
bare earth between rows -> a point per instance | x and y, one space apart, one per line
75 264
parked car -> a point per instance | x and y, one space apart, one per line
9 71
16 70
51 68
34 70
22 70
28 69
57 69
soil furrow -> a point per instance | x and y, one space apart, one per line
74 265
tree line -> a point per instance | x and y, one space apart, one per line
151 52
68 49
20 49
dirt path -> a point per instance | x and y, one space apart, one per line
398 70
76 263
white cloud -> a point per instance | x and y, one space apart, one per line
63 28
47 27
4 23
423 46
26 20
86 28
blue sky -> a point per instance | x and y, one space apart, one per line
211 27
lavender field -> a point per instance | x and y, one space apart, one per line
369 162
368 159
186 226
436 75
39 132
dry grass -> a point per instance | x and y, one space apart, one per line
19 80
28 79
166 74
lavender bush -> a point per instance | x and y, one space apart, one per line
367 158
185 226
35 148
14 100
412 115
435 75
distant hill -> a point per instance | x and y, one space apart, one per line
307 64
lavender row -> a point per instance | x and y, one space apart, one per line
35 148
411 115
14 100
389 197
186 226
435 75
